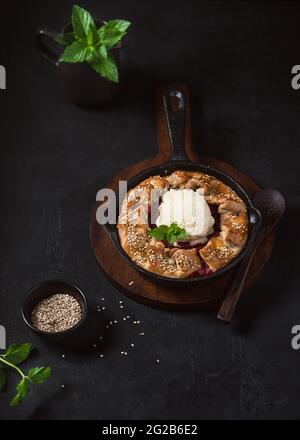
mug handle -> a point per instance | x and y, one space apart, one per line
41 45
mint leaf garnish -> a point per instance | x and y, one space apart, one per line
159 233
169 233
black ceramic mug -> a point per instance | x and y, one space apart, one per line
80 83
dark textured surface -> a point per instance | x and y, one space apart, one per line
236 59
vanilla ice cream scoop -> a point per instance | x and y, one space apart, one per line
189 209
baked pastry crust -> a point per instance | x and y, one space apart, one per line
155 256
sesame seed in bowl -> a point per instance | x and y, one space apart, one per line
54 308
57 313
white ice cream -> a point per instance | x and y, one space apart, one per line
189 210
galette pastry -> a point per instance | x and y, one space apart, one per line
214 219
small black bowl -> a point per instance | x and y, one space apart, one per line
44 290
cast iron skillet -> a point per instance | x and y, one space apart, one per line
174 109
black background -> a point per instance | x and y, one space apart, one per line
236 59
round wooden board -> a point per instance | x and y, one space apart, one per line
127 279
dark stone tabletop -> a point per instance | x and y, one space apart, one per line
236 59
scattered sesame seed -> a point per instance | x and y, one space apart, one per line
127 316
132 345
62 386
124 319
122 352
100 337
130 284
121 307
94 345
103 308
101 355
125 352
138 322
142 334
63 355
158 361
102 299
110 322
121 302
115 321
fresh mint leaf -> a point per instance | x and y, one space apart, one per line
112 32
90 37
14 355
39 374
101 51
159 233
2 377
17 353
83 23
78 52
181 236
169 233
66 38
106 67
176 233
88 44
23 388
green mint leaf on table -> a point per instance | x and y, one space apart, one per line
2 377
66 38
39 374
112 32
17 353
106 67
169 233
23 388
14 355
78 52
82 22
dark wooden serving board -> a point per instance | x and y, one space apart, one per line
126 278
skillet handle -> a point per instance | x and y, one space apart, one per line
174 102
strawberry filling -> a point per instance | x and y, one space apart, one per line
203 270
